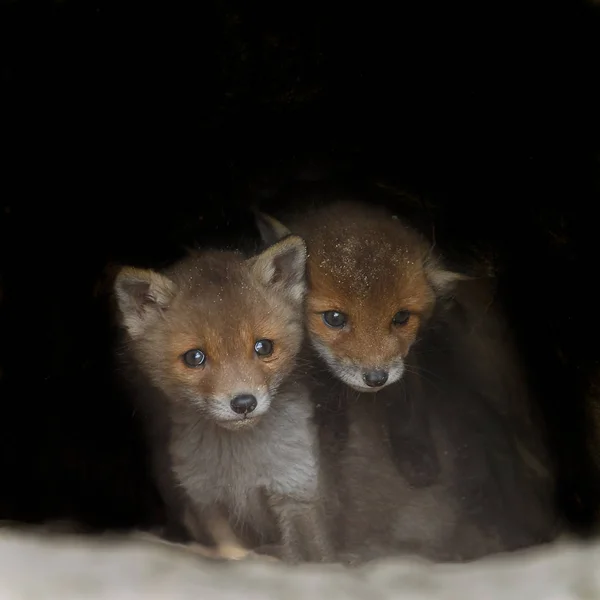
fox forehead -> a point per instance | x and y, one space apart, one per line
383 286
224 315
364 257
232 340
227 318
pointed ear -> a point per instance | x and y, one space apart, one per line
282 268
141 296
271 230
444 281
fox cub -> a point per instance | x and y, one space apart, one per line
211 345
448 458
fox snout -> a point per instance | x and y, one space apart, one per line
244 404
376 378
371 379
361 377
238 410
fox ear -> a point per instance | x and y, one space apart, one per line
141 296
271 230
282 268
444 281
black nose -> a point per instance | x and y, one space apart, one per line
375 378
244 404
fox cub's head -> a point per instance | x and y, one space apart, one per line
217 330
372 283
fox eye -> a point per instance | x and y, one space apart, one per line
401 317
194 358
335 319
263 347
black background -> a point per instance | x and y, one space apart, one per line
131 129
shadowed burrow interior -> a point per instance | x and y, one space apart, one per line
133 135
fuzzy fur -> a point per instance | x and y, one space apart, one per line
449 459
259 470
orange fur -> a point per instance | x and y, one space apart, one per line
367 264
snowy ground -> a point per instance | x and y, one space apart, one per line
34 566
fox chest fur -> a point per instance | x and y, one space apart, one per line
240 471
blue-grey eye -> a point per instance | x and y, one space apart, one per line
334 318
194 358
401 317
263 347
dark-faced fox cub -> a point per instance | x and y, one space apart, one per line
452 411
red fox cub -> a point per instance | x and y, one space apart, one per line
373 283
210 347
448 458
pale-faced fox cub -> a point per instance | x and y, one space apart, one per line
210 347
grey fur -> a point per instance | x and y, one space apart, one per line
266 478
